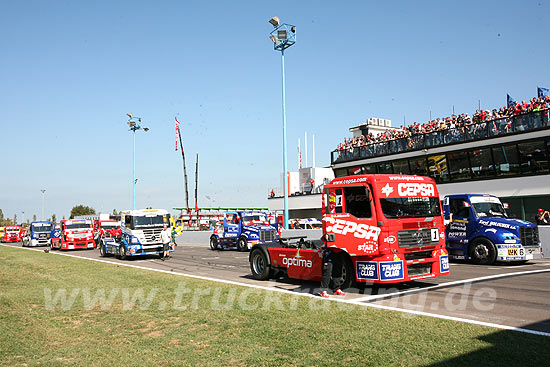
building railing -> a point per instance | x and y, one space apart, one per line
531 121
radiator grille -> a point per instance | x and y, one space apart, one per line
529 236
267 236
419 238
152 235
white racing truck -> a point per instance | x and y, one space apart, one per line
140 234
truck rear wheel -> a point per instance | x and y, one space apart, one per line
241 244
213 243
483 252
259 265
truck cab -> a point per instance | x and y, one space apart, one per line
478 229
38 234
106 228
243 229
382 228
140 234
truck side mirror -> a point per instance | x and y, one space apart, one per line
329 237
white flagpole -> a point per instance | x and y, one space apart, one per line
305 146
313 143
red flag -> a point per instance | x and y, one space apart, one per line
177 132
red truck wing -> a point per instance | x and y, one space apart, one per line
299 263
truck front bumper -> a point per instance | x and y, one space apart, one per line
510 253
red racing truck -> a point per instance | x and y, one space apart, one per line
12 234
385 228
74 234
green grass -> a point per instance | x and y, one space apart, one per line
305 332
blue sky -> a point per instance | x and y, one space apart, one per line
71 70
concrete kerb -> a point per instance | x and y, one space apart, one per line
332 299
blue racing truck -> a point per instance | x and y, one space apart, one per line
243 229
39 234
478 229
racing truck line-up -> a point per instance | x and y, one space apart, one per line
385 229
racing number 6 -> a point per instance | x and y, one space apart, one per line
435 234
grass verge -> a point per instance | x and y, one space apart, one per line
57 310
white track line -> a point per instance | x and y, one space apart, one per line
450 284
332 299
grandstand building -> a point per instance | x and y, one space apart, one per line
507 157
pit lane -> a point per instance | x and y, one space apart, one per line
509 295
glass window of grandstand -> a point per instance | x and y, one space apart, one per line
358 201
533 156
385 167
532 204
459 166
418 166
401 167
481 161
437 168
514 207
362 170
340 172
506 160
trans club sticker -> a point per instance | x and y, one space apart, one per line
367 270
391 270
444 264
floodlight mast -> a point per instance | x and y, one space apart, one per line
283 36
134 124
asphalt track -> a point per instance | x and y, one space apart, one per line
508 296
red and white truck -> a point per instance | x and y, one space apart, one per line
12 234
74 234
385 228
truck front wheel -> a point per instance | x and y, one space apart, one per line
121 252
213 243
241 244
102 251
259 266
483 252
348 273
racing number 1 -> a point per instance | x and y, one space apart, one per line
435 235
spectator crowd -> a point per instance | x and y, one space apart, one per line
454 123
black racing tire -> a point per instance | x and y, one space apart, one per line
482 252
348 273
242 245
259 265
102 250
121 252
213 243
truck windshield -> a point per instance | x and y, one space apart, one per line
39 227
487 206
157 220
410 207
78 226
110 226
250 218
